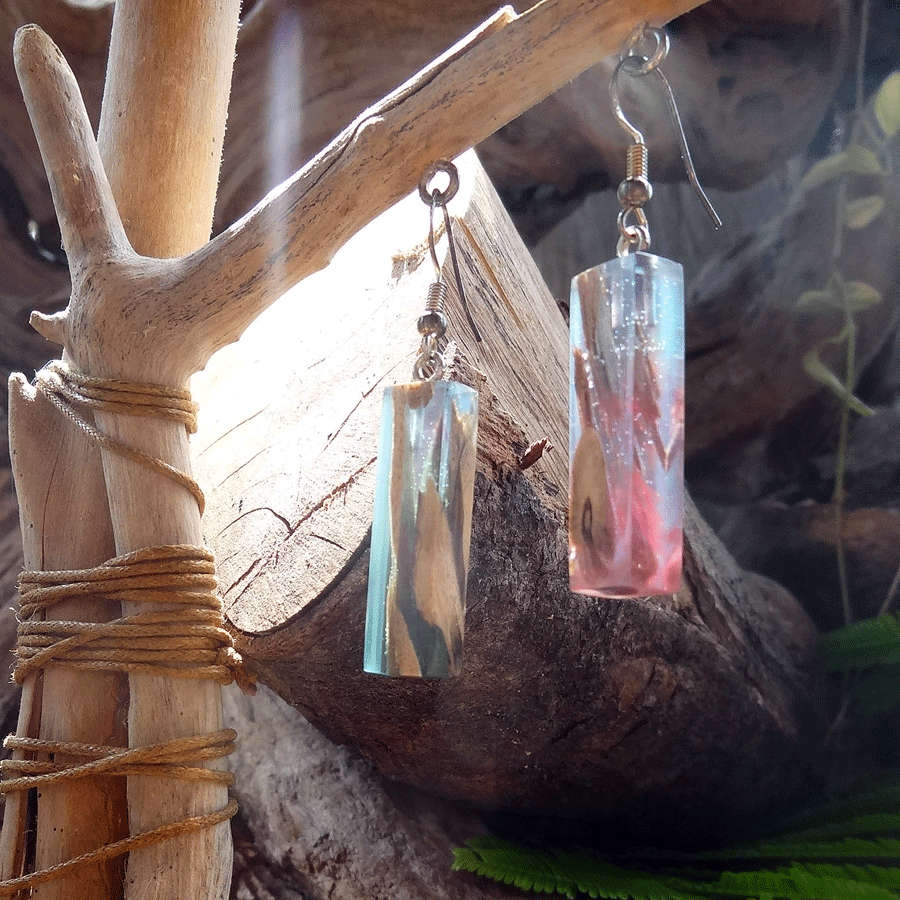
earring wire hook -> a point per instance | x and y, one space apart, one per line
638 65
438 199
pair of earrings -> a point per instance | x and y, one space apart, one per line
626 407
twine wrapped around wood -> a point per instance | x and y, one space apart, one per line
66 389
187 639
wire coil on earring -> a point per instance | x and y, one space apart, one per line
432 324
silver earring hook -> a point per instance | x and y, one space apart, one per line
438 199
637 65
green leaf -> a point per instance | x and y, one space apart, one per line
815 368
790 848
563 873
877 690
868 824
870 642
859 296
860 801
864 211
817 863
854 296
799 883
825 298
887 105
855 160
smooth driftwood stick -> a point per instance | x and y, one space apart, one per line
161 131
65 525
148 39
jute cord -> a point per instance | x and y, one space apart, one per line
183 636
67 390
186 640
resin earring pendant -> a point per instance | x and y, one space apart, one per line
422 520
626 392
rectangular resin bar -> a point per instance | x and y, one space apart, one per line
626 428
421 529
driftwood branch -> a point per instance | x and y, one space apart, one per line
142 512
439 112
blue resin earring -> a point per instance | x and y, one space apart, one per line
425 479
626 389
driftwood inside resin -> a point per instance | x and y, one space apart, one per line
421 530
626 427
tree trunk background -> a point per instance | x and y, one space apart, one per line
318 820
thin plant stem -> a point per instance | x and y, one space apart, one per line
838 496
891 594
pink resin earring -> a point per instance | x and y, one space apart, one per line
626 389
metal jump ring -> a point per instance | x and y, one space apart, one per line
636 236
436 197
639 63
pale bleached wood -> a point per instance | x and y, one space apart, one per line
198 865
65 524
162 121
289 472
161 131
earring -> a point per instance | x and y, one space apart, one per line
425 479
626 390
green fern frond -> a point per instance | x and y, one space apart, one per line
848 850
869 824
863 800
797 883
794 849
564 873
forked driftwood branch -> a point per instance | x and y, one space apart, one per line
147 319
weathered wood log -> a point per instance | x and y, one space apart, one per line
792 538
326 825
566 705
753 413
